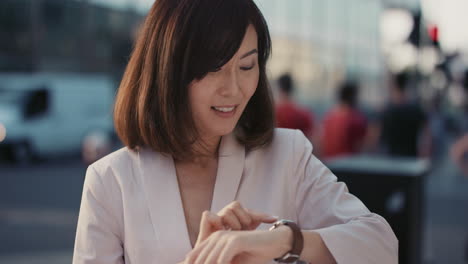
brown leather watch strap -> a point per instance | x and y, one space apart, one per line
297 245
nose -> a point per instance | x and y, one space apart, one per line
229 84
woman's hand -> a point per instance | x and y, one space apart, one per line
231 217
241 247
231 227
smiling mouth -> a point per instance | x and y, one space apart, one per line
224 109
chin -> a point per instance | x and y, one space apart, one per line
222 131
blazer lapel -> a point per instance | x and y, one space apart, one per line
163 195
230 168
165 205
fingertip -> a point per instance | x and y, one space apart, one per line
265 217
206 214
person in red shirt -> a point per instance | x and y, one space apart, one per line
288 113
344 127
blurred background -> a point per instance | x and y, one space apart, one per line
380 87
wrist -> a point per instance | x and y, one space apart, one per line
295 239
284 240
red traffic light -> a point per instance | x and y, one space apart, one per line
433 31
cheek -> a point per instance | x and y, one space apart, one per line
251 90
250 84
198 95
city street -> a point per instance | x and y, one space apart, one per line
38 211
359 78
39 207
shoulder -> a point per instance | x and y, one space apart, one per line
332 113
113 170
119 158
359 116
287 143
284 160
284 136
305 112
125 166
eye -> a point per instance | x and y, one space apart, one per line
247 68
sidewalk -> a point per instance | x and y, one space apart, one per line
62 257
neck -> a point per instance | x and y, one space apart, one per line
399 98
344 105
207 147
283 97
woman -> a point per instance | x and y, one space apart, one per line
195 113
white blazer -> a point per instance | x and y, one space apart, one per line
131 209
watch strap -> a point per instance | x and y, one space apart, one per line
297 244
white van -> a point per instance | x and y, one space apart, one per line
44 114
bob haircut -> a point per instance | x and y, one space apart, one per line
181 41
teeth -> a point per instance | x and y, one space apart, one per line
224 109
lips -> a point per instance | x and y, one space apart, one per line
224 109
227 111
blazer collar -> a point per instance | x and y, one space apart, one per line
163 195
230 167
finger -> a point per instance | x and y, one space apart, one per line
192 256
243 216
265 218
216 250
213 220
230 220
206 250
258 218
229 251
209 224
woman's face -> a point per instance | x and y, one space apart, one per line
218 100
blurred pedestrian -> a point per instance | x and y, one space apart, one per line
437 120
202 157
344 126
405 131
459 149
288 113
459 153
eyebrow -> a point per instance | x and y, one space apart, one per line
249 53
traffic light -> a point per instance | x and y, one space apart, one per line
433 32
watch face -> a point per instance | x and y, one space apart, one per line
289 258
284 221
280 222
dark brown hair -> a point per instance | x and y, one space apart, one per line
181 41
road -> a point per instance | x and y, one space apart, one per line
38 210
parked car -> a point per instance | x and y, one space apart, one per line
45 115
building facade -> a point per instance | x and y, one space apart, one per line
58 35
325 42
